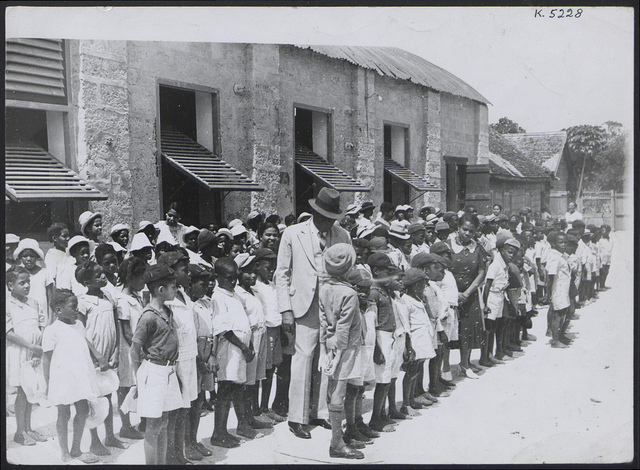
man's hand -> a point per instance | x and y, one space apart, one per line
212 364
287 317
409 355
462 298
36 350
35 362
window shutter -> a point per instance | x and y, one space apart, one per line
35 70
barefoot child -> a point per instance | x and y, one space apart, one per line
362 284
69 371
558 286
129 308
98 313
341 337
154 352
24 334
234 350
255 312
422 334
383 273
265 261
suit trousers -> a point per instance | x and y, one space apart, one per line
308 387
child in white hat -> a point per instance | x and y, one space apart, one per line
31 257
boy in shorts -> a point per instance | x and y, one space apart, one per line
154 354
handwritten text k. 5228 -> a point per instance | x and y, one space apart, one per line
557 13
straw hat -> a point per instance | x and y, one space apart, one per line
86 218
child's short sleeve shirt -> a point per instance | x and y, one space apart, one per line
558 267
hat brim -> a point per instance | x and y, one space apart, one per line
88 221
323 212
400 237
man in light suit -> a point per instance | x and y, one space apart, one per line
298 273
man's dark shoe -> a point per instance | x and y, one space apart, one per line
321 422
345 453
299 430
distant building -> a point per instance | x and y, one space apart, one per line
225 128
547 149
506 176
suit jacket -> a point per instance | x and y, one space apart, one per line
296 274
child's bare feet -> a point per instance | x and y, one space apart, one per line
113 441
246 431
66 456
98 449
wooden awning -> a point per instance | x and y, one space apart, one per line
200 164
35 70
326 173
33 174
407 176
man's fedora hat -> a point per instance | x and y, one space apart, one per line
327 203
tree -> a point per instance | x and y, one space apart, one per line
596 156
507 126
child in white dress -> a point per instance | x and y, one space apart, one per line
23 334
69 371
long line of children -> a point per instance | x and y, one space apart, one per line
182 311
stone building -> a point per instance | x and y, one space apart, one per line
225 128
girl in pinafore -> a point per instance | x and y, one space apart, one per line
98 313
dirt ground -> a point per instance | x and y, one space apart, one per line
546 405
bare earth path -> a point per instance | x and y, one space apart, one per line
545 406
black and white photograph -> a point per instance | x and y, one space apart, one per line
273 235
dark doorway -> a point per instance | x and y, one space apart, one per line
456 175
396 192
178 110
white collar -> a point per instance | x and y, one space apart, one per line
457 248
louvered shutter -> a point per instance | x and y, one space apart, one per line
35 70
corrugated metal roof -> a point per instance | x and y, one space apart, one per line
543 148
400 64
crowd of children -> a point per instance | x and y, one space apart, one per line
171 321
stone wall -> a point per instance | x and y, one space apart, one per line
101 112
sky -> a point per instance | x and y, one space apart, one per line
544 73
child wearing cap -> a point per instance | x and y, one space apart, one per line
437 309
154 353
402 349
234 351
341 337
257 367
422 336
98 314
25 322
362 284
29 254
69 371
494 295
400 245
179 450
384 273
559 286
265 289
129 309
442 231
